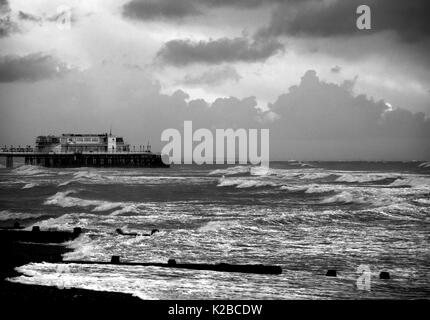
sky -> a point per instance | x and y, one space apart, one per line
301 68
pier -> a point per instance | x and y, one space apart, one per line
85 159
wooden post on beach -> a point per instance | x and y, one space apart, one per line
115 260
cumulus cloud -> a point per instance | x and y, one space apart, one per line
313 120
31 67
213 77
318 110
184 52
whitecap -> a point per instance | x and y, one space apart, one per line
30 185
343 197
9 215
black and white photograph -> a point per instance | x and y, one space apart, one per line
204 158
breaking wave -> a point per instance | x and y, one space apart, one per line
415 182
9 215
423 201
216 226
30 185
344 197
310 188
294 188
63 199
246 183
231 171
424 165
362 177
29 170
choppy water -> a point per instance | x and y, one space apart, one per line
305 217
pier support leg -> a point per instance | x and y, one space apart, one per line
9 162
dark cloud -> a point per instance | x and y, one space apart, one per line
7 25
213 77
31 67
318 110
313 120
336 69
408 19
183 52
155 9
247 4
29 17
177 9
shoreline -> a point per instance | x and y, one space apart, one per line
15 254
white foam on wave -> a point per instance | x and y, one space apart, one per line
84 177
82 247
66 221
30 185
114 177
311 188
231 171
292 188
242 183
423 201
142 282
313 175
321 188
29 170
414 182
363 177
9 215
403 211
213 226
424 165
343 197
63 199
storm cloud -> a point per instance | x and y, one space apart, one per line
178 9
318 110
408 19
31 67
312 120
183 52
153 9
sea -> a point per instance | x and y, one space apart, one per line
307 217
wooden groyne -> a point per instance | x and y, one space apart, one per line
14 235
221 267
38 236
